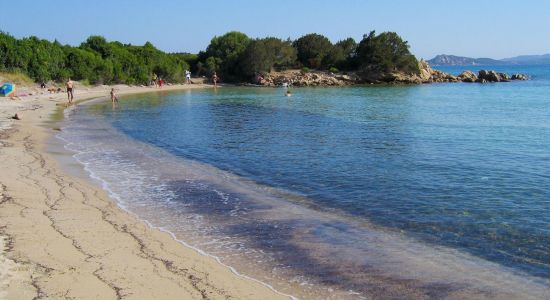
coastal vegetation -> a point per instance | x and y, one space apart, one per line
385 52
234 56
95 60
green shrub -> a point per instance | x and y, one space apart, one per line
333 70
313 50
96 61
305 70
85 82
15 77
264 55
386 52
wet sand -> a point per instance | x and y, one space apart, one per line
62 237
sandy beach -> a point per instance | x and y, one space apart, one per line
64 238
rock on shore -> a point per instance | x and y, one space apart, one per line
314 78
493 76
429 75
426 75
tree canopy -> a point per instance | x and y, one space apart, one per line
96 60
238 58
262 55
313 50
222 55
385 52
234 56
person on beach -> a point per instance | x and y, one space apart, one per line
113 96
259 78
70 85
215 79
154 79
187 76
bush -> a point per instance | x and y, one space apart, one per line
333 70
223 53
385 52
263 55
96 60
85 82
313 50
305 70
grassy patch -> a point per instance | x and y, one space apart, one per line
16 77
85 82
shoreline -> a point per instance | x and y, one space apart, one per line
461 284
49 252
42 160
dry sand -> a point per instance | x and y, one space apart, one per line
63 238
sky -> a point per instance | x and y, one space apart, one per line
473 28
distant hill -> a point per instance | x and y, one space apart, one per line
529 59
453 60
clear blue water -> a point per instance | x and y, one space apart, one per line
463 166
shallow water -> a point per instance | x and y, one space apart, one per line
412 191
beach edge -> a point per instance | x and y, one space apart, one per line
65 237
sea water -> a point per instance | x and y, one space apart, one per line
427 191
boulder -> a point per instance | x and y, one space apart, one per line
492 76
426 71
426 75
467 76
504 77
489 76
519 77
300 78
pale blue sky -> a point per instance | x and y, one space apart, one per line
482 28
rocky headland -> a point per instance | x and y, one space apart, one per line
426 75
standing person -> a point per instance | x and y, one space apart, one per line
154 79
70 86
187 76
113 96
215 79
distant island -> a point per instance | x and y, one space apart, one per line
453 60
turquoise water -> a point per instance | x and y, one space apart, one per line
311 183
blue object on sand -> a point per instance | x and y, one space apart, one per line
7 90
